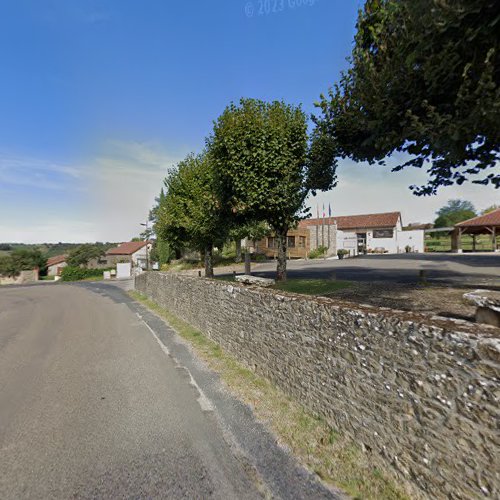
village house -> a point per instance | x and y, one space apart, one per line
56 264
357 234
135 252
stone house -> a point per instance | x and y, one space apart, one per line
135 252
56 264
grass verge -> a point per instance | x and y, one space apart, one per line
312 286
335 458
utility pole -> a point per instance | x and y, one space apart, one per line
147 242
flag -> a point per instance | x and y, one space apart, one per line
317 210
324 215
329 210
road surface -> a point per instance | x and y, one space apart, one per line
98 399
444 269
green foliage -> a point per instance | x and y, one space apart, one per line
7 267
424 80
162 252
80 255
264 166
5 247
191 214
317 253
22 259
453 212
71 273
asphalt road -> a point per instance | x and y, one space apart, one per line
446 269
99 399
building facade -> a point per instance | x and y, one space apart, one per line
356 234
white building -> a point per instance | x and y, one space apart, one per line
136 252
56 264
370 233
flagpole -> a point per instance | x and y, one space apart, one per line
329 223
317 230
323 228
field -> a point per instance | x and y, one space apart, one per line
436 243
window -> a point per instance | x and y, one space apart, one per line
383 233
302 241
270 243
291 242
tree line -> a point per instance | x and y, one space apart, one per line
424 79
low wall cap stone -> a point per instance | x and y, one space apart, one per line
255 280
484 298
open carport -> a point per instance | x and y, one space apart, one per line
488 224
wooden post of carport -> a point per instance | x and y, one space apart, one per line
456 240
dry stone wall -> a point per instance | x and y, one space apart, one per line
418 393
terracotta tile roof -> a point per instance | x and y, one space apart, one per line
384 220
127 248
57 259
491 219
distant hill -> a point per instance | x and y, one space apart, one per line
49 249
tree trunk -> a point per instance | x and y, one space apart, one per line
209 265
238 250
248 264
281 237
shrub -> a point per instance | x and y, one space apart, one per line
318 252
259 257
71 273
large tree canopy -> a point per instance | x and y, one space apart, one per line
264 165
453 212
81 255
190 213
424 80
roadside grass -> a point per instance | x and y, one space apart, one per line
312 286
332 456
443 243
321 287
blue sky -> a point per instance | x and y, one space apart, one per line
98 98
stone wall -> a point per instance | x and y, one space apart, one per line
418 393
30 276
326 235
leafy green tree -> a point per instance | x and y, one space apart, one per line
25 259
162 252
265 168
453 212
7 267
22 259
252 230
425 80
81 255
190 213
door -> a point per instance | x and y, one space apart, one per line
361 242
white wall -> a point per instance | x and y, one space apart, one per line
396 244
52 270
414 239
142 254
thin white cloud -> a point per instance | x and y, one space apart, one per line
123 181
27 171
117 188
